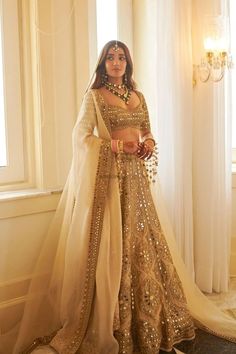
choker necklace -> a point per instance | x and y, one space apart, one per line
113 89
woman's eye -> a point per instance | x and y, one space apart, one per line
122 58
110 58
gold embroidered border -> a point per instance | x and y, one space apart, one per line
103 109
101 186
39 342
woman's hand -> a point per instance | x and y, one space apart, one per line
145 150
130 147
142 150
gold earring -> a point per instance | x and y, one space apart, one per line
104 78
125 79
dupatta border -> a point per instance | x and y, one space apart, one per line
102 107
98 209
77 333
69 340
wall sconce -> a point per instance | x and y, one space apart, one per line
217 58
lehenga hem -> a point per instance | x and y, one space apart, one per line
168 350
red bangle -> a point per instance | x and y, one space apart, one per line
114 144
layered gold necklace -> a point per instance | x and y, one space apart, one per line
113 88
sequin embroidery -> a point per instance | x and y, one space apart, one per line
117 118
152 306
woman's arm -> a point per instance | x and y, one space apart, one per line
147 141
86 124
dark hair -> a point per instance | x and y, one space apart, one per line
100 69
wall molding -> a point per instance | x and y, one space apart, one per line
28 205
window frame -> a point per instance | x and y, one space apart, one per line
234 155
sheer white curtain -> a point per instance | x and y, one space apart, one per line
212 172
174 118
193 132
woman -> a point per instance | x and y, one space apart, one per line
105 282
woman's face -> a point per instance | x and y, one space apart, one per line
115 63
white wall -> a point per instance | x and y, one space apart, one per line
61 72
23 226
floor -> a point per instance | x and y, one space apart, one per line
205 343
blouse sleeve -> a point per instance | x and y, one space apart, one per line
145 125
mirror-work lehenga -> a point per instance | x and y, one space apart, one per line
152 311
110 279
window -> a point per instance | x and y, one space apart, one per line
12 149
33 149
3 156
106 22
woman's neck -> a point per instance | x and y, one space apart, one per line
115 80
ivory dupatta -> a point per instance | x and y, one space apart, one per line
76 281
89 306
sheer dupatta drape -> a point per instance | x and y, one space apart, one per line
81 253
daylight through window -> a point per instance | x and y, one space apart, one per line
106 22
3 156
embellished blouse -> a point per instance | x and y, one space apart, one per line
117 118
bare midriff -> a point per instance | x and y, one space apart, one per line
127 134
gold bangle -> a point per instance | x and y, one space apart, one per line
117 146
151 140
146 136
121 146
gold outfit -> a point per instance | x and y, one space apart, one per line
117 118
105 282
152 310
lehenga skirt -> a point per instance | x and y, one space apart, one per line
152 313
